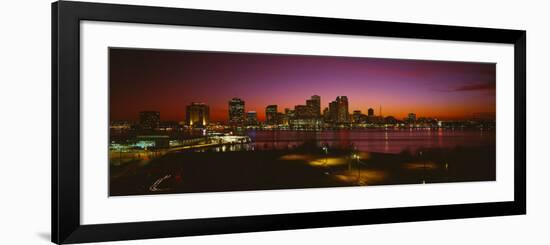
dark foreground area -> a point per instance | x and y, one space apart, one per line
191 172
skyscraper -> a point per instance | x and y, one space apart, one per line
149 120
311 110
315 105
305 116
236 111
197 114
302 111
333 111
343 113
338 111
251 118
326 114
271 114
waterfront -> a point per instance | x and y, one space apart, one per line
382 140
314 159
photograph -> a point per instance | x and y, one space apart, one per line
194 121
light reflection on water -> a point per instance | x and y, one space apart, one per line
368 140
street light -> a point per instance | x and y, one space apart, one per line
356 157
325 149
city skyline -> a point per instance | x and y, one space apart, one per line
275 108
167 81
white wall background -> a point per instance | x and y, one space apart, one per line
25 121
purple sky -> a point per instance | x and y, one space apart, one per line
167 81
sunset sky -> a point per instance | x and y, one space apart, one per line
167 81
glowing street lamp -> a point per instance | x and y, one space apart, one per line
325 149
356 158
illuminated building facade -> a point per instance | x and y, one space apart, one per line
120 125
282 119
197 115
338 110
306 116
303 111
333 112
149 120
236 112
314 104
343 112
326 115
271 115
251 118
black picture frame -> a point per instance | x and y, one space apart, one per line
66 17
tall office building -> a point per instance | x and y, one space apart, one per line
302 111
271 114
251 118
236 111
338 110
197 114
311 110
315 105
333 111
326 114
149 120
343 113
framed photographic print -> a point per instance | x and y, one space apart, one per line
175 122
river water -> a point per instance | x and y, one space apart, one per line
369 140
